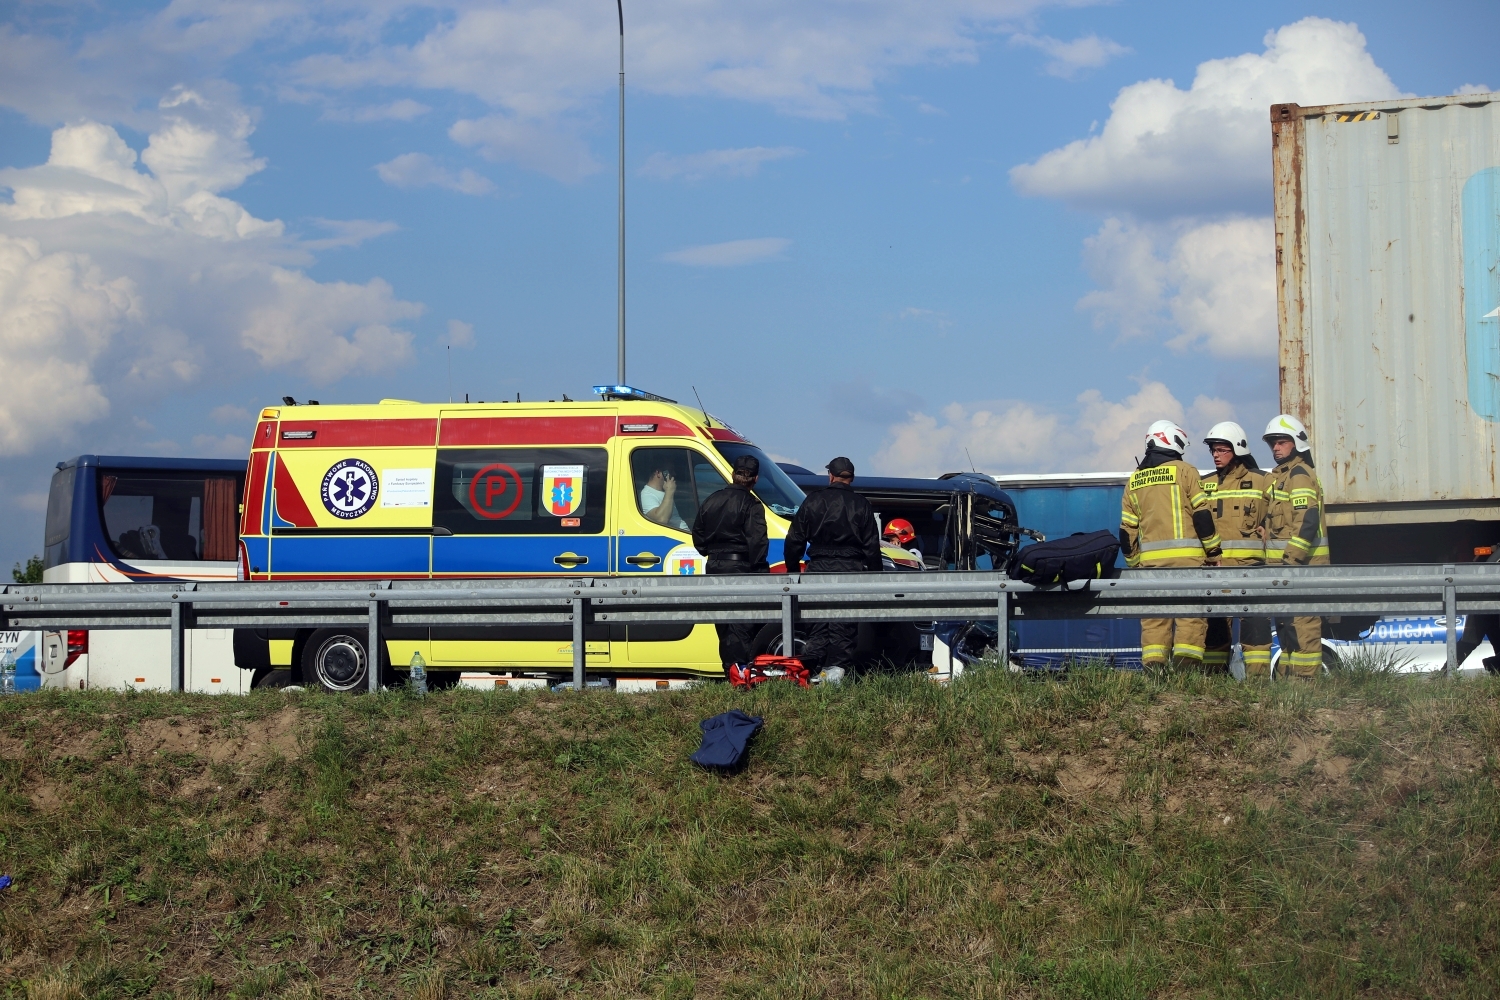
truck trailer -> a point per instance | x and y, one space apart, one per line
1387 219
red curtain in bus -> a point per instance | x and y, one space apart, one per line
219 519
107 487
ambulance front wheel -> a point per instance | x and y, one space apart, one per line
768 641
336 660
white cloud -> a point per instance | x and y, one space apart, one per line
548 149
1474 88
58 316
1094 435
743 162
1068 59
404 110
536 60
412 170
121 283
1211 285
348 232
730 254
1169 152
308 324
460 334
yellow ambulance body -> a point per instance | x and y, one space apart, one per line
402 490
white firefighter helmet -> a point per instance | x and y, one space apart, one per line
1286 425
1231 434
1167 436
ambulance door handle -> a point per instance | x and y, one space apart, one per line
570 559
644 559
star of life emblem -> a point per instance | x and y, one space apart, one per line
350 488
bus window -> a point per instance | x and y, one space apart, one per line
176 517
59 517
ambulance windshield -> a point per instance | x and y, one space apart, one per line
775 489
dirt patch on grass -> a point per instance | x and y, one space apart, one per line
245 742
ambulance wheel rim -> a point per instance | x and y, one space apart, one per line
340 663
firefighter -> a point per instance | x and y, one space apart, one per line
899 532
1239 497
839 525
730 531
1165 522
1297 534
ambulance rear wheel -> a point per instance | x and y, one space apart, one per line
336 660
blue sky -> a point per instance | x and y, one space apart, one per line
909 233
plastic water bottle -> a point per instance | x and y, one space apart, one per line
8 672
418 680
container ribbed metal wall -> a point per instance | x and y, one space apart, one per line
1388 260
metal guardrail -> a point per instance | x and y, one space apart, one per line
1162 593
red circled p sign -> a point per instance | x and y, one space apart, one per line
494 485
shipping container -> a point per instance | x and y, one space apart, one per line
1388 285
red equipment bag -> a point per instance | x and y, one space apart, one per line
768 668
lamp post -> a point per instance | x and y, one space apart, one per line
620 305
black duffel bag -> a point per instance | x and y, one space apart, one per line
1080 556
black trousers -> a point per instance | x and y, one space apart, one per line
736 639
1478 628
831 644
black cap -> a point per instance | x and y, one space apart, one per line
840 467
747 465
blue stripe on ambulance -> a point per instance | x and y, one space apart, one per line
532 554
634 545
406 554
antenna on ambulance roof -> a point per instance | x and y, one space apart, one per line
702 407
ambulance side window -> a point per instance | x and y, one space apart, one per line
520 491
662 483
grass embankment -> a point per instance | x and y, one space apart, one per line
1100 836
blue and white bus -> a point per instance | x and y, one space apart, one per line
125 518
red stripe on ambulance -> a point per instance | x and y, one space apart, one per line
389 433
459 432
289 503
255 494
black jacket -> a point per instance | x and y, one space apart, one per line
839 524
732 523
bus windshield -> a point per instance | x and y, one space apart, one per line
775 490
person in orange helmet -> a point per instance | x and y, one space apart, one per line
898 531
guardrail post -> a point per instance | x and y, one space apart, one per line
1450 611
176 641
373 649
580 650
788 625
1002 637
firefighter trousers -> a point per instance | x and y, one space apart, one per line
1175 638
1255 645
1301 641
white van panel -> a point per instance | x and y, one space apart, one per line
140 659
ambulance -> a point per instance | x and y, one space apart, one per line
405 490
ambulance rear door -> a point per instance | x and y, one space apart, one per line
523 495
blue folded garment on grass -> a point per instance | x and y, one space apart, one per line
726 738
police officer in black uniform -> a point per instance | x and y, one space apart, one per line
730 531
839 525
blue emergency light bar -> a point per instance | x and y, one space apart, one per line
628 392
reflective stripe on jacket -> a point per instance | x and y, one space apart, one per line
1298 525
1240 500
1156 517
